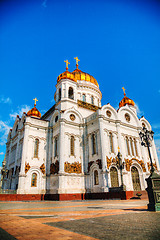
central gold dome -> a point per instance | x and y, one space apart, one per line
77 74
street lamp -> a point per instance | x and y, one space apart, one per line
121 167
146 140
153 181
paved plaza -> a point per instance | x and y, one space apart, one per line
98 219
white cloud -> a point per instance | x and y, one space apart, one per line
139 112
5 100
20 111
44 3
4 130
1 153
156 125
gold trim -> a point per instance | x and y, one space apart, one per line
87 105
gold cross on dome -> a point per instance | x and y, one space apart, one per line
66 61
118 149
35 100
124 90
77 60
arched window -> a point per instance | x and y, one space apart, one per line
131 143
114 177
93 138
55 147
135 179
16 128
36 148
70 93
135 147
72 145
96 181
111 142
59 95
34 180
84 97
92 100
127 145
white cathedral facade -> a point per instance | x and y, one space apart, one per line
72 149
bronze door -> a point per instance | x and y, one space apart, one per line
135 179
114 177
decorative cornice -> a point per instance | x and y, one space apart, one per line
88 105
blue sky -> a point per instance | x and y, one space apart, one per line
118 42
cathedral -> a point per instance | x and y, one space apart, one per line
72 150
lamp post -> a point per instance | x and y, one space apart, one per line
153 181
121 167
146 140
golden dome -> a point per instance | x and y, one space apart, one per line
34 111
126 100
77 74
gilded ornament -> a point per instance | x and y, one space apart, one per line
66 61
72 117
109 161
149 166
35 100
142 165
128 164
42 167
27 167
72 167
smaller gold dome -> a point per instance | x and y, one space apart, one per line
34 111
125 101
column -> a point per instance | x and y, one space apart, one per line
61 147
103 157
21 183
122 150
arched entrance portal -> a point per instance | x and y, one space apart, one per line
114 177
135 179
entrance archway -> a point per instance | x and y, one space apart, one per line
114 177
135 179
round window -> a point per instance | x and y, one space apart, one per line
127 117
108 113
143 125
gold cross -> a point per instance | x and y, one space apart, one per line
124 90
66 61
35 100
118 149
77 61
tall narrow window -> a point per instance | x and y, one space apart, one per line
36 147
70 93
84 98
59 95
34 180
96 181
135 146
127 145
111 142
92 99
55 147
93 143
131 143
72 145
